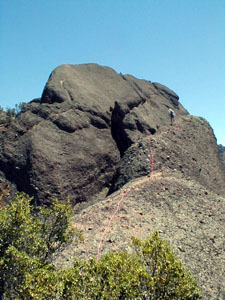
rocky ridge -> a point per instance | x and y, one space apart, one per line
69 142
104 139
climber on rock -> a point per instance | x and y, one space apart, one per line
172 116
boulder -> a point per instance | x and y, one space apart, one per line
95 132
69 142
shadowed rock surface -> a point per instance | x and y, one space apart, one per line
69 142
222 153
95 133
189 147
181 194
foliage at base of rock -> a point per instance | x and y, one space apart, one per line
153 273
29 238
167 278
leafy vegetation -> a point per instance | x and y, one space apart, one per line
9 114
153 272
167 278
29 239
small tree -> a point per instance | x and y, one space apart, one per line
28 240
10 114
19 107
167 278
3 116
153 272
114 276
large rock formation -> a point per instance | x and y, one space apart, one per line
69 142
184 211
95 132
189 147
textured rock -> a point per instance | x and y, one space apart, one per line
94 131
222 153
189 147
69 142
166 92
186 213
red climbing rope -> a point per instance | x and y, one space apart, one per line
121 200
109 223
126 193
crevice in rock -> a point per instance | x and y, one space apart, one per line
118 126
51 97
98 122
118 129
99 114
42 111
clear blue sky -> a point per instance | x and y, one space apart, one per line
179 43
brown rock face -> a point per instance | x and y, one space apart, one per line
69 142
95 132
185 212
188 147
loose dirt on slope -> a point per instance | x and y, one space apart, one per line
185 204
90 136
185 213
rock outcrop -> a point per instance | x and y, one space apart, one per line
95 133
69 142
184 211
188 147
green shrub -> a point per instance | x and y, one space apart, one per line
8 115
28 240
153 272
167 278
115 276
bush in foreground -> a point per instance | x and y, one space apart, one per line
152 272
29 239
